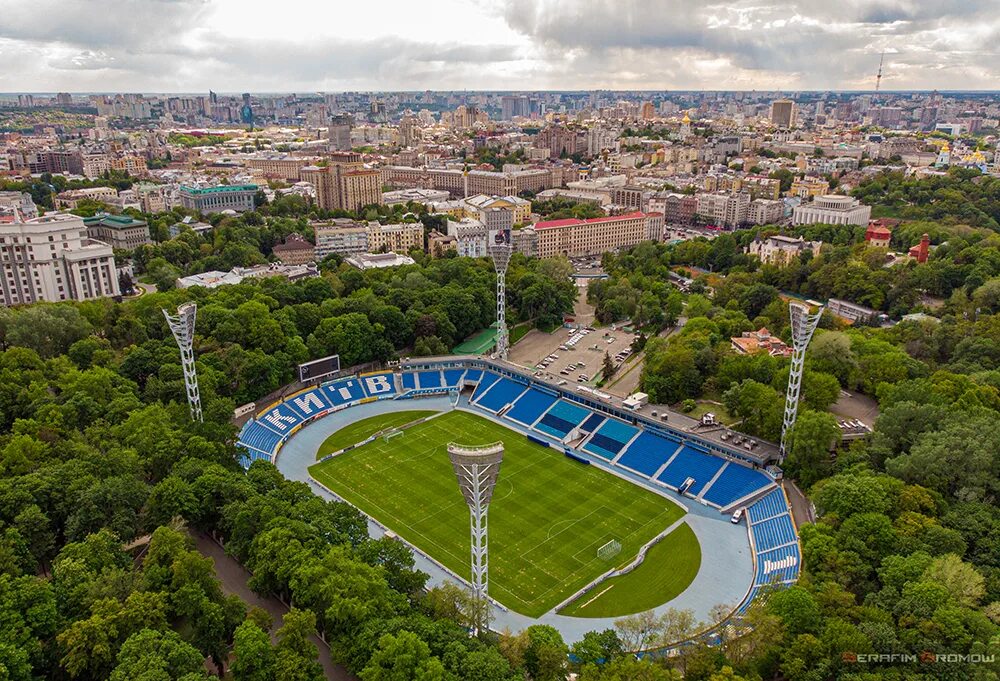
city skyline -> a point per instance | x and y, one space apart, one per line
224 45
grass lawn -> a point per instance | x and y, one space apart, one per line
359 430
668 568
702 407
548 517
520 331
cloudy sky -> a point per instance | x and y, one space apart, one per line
331 45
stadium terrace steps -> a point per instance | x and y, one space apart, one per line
647 453
500 394
736 483
776 532
769 506
691 463
561 418
429 379
485 383
711 482
659 471
530 406
453 377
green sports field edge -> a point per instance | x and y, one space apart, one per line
365 428
667 569
548 517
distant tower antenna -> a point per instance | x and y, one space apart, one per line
182 326
878 76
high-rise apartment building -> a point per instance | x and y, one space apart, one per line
50 258
783 113
344 183
339 132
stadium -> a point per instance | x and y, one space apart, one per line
598 513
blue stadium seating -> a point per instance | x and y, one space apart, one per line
452 377
409 380
257 436
592 422
429 379
308 403
768 507
281 418
562 418
473 375
503 392
378 385
773 533
767 561
485 383
610 438
530 406
647 453
735 483
690 463
343 391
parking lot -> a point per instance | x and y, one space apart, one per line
570 355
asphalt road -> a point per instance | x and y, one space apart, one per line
234 581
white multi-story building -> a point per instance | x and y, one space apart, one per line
766 211
724 209
470 237
343 236
50 258
21 202
782 250
832 210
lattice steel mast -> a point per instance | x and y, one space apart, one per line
500 253
477 469
182 326
803 325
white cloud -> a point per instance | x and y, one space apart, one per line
306 45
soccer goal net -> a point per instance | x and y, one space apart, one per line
609 550
391 434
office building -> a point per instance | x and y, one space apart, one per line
832 210
401 238
51 258
119 231
460 184
724 209
344 183
339 132
71 198
294 250
766 211
234 197
342 236
783 113
573 237
782 250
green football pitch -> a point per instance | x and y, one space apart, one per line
548 517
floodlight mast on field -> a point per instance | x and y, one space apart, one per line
500 251
182 326
477 469
803 325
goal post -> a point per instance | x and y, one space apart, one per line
609 550
395 432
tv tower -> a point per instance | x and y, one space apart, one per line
878 76
182 326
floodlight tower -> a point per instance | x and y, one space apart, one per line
182 326
803 325
500 249
477 469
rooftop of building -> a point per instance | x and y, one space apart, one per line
219 189
114 221
548 224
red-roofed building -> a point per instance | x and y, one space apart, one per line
574 237
752 342
879 232
921 250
